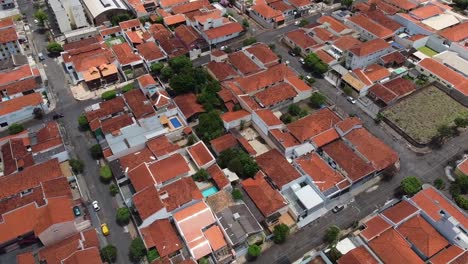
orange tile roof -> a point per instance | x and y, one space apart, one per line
457 80
393 89
169 168
298 84
379 17
423 236
124 54
376 151
241 62
150 51
334 24
221 70
266 11
263 53
147 202
323 34
233 116
179 193
224 30
109 31
447 255
267 199
58 210
426 11
161 146
456 33
463 166
369 47
47 137
146 80
301 38
134 37
355 167
128 24
204 16
246 146
223 143
215 237
374 227
284 138
141 177
359 255
8 35
400 212
20 86
200 154
162 235
139 104
300 3
116 123
106 108
402 4
174 19
276 94
387 8
348 124
189 7
275 166
280 6
372 74
15 155
18 222
16 74
218 176
324 56
6 22
86 256
346 42
25 258
271 76
132 160
391 247
188 104
321 173
371 26
267 116
19 103
314 124
432 202
189 36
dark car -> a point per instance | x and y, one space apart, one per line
292 53
76 210
338 208
57 116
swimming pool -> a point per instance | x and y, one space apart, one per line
175 122
210 191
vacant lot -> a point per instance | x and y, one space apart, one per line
422 113
428 51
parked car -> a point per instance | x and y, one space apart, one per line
338 208
296 23
105 229
41 56
302 61
76 210
96 206
351 99
292 53
57 116
223 48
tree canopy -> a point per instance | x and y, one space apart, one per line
54 47
137 250
156 67
96 151
317 100
411 185
108 95
347 3
41 16
15 128
123 216
109 253
332 235
461 4
105 173
315 64
77 165
280 233
83 122
238 161
254 251
210 126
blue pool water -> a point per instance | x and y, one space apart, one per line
175 122
210 191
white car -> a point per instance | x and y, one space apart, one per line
302 61
296 23
308 77
351 99
36 21
223 48
96 206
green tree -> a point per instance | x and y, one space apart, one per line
347 90
209 100
317 100
462 202
236 194
96 151
119 18
159 20
315 64
280 233
249 41
105 173
303 23
245 23
334 254
201 175
41 16
411 185
461 4
156 67
294 110
54 47
461 122
180 64
297 50
462 182
254 251
236 160
83 122
346 3
286 118
332 235
123 216
166 73
191 139
77 165
15 128
152 255
109 253
439 183
272 46
127 88
137 250
203 261
108 95
210 126
113 189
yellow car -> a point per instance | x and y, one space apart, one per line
105 229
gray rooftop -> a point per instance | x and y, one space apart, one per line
238 223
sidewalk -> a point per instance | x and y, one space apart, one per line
81 93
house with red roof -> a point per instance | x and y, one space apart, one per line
462 167
151 53
367 53
162 236
452 38
302 39
262 55
390 92
129 64
361 79
234 119
265 121
20 109
201 155
266 15
20 81
368 28
8 39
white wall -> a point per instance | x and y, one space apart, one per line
237 122
20 116
355 62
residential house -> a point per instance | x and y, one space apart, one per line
162 236
267 16
262 55
303 7
19 81
452 38
390 92
201 155
301 39
21 109
234 119
151 53
360 80
129 64
9 44
368 28
367 53
288 11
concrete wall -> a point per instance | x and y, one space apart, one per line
237 122
437 43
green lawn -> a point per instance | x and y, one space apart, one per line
420 114
114 41
428 51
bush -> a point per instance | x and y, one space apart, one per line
439 184
245 23
76 165
83 122
113 189
254 251
127 87
294 110
332 235
108 95
105 173
236 194
280 233
156 67
203 261
123 216
109 254
54 47
249 41
347 90
317 100
137 250
15 128
152 255
411 185
303 23
286 118
462 202
96 151
201 175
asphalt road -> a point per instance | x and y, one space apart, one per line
78 144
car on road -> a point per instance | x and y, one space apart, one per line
338 208
41 56
96 206
223 48
296 23
292 53
36 21
105 229
351 99
76 210
302 61
57 116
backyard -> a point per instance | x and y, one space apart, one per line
428 51
421 114
115 40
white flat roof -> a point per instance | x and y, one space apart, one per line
454 61
441 21
345 245
308 197
97 7
420 55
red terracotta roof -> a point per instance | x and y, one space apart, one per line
275 94
179 193
463 166
147 202
325 137
284 138
146 80
47 137
376 151
402 4
263 79
432 202
109 31
15 155
128 24
323 34
371 74
393 89
456 33
200 154
221 70
371 26
7 22
314 124
85 256
382 19
301 38
162 235
130 161
394 57
139 104
223 143
426 11
374 227
300 3
387 8
169 168
369 47
399 212
161 146
8 35
280 6
188 104
275 166
189 7
19 103
346 42
141 177
124 54
106 108
116 123
218 176
298 84
457 80
57 210
359 255
266 11
233 116
215 237
391 247
224 30
17 74
25 258
447 255
422 235
20 86
334 24
355 167
150 51
267 199
242 63
188 35
324 56
268 117
263 53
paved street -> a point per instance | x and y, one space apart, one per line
79 143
